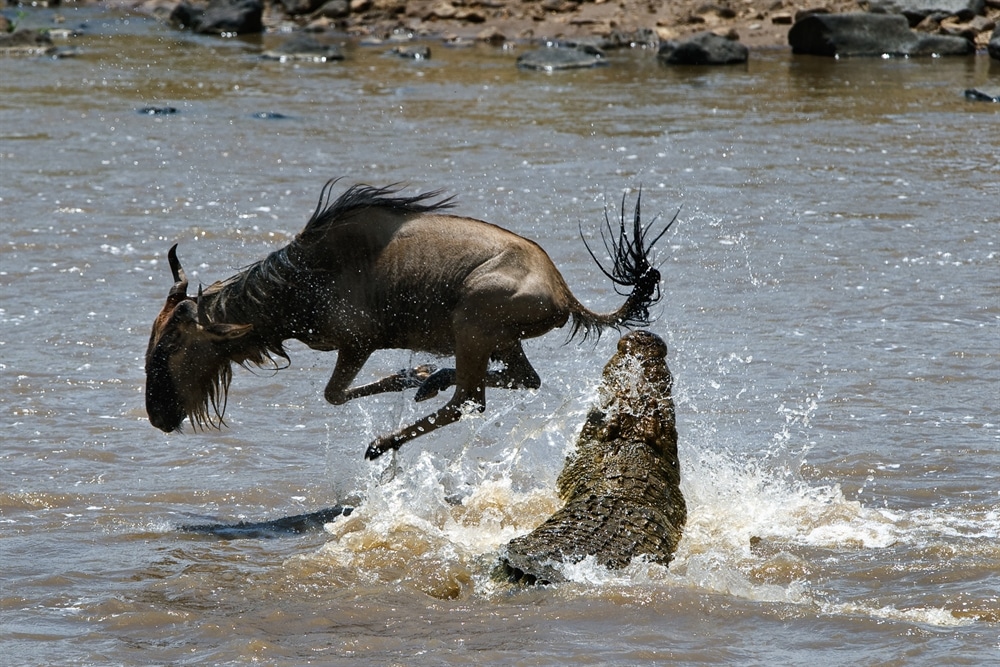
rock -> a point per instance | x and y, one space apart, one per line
220 17
640 38
621 486
412 51
334 9
157 111
994 46
861 34
26 42
295 7
562 57
303 47
491 35
703 49
917 10
977 95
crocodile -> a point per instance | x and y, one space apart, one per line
621 485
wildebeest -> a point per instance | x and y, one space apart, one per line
377 270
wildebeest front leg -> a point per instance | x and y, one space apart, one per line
349 363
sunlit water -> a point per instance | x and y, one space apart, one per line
831 303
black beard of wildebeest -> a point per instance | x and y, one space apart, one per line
375 270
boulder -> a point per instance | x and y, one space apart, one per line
706 48
862 34
220 17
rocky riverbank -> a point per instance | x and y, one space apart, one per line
755 23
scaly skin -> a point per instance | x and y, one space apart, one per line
622 484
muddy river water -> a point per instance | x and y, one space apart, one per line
831 304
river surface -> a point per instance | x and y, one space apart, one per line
831 303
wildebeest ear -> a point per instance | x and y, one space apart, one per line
222 332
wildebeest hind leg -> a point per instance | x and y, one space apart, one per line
517 373
471 361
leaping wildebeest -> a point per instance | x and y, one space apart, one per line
377 270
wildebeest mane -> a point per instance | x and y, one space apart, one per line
360 197
256 288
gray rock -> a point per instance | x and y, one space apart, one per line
303 47
559 58
994 46
704 49
977 95
861 34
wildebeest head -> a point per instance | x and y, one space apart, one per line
188 360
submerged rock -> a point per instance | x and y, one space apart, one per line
303 47
412 51
562 57
26 42
157 111
622 484
977 95
862 34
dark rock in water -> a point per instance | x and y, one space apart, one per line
622 484
559 57
982 96
639 38
413 52
26 42
292 525
704 49
295 7
303 47
917 10
220 17
269 115
157 111
994 46
861 34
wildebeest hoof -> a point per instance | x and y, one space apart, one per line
376 449
416 377
438 380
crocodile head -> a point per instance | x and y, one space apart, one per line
621 486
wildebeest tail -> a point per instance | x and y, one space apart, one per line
631 272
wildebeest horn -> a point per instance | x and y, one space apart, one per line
180 278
